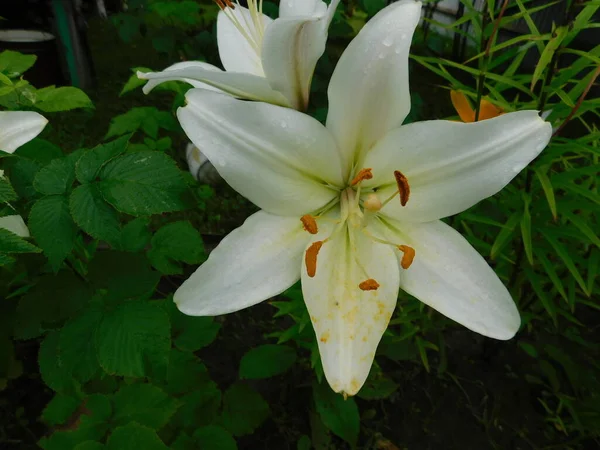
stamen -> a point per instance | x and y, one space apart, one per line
408 257
310 258
364 174
310 224
369 285
225 4
403 187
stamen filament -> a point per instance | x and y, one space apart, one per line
363 174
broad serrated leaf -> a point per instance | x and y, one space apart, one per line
123 275
267 361
145 404
62 99
377 386
14 64
53 228
134 340
93 215
55 374
134 81
39 150
338 414
56 178
89 445
186 373
134 436
213 437
11 243
76 344
175 242
143 183
91 162
135 235
148 119
244 410
199 407
60 408
7 193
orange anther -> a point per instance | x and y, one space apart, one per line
407 257
225 4
369 285
310 258
310 224
363 174
403 187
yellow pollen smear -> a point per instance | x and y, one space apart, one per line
369 285
407 257
403 187
310 224
364 174
372 203
310 258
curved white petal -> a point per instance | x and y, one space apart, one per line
368 92
14 224
450 166
18 128
253 263
291 48
241 85
348 321
174 76
303 8
280 159
449 275
240 52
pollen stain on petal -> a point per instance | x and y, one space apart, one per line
310 258
325 337
407 257
369 285
363 174
354 385
403 187
310 224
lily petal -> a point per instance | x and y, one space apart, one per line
18 128
235 48
368 92
450 166
281 160
306 8
348 321
242 85
255 262
14 224
175 69
449 275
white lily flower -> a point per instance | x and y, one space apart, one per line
353 209
16 129
266 60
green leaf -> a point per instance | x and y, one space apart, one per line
22 174
505 235
192 333
53 228
135 235
200 407
377 386
134 340
134 436
11 243
76 344
39 150
62 99
244 410
7 193
549 268
14 64
93 160
186 373
56 178
267 361
177 241
54 373
145 404
544 298
148 119
338 414
143 183
585 229
93 215
122 274
566 258
548 191
89 445
526 233
134 82
213 437
548 53
60 409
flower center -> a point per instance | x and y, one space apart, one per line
251 26
355 214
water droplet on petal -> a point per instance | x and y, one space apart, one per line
388 41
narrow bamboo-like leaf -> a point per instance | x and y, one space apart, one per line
549 269
581 21
505 235
593 264
564 255
548 191
548 53
526 233
530 23
584 228
547 303
423 353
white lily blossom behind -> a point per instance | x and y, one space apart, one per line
264 59
353 208
18 128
